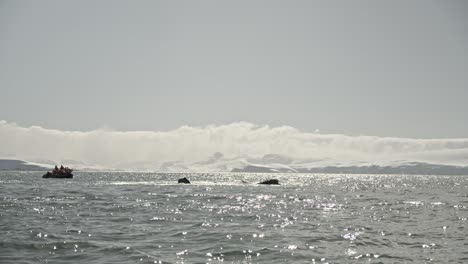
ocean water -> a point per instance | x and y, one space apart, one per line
149 218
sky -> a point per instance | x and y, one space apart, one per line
375 68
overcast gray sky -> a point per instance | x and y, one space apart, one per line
383 68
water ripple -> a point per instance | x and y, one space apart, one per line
147 218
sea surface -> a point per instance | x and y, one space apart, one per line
310 218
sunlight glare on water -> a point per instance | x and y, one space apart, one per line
149 218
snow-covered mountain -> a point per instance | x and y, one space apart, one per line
12 164
273 163
269 163
419 168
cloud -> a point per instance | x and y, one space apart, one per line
116 149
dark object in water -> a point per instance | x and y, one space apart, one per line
270 182
63 172
183 180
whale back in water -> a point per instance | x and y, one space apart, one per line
183 180
270 182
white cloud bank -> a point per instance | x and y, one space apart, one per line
149 149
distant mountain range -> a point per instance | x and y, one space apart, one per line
416 168
19 165
270 163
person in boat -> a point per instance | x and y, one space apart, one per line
56 169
